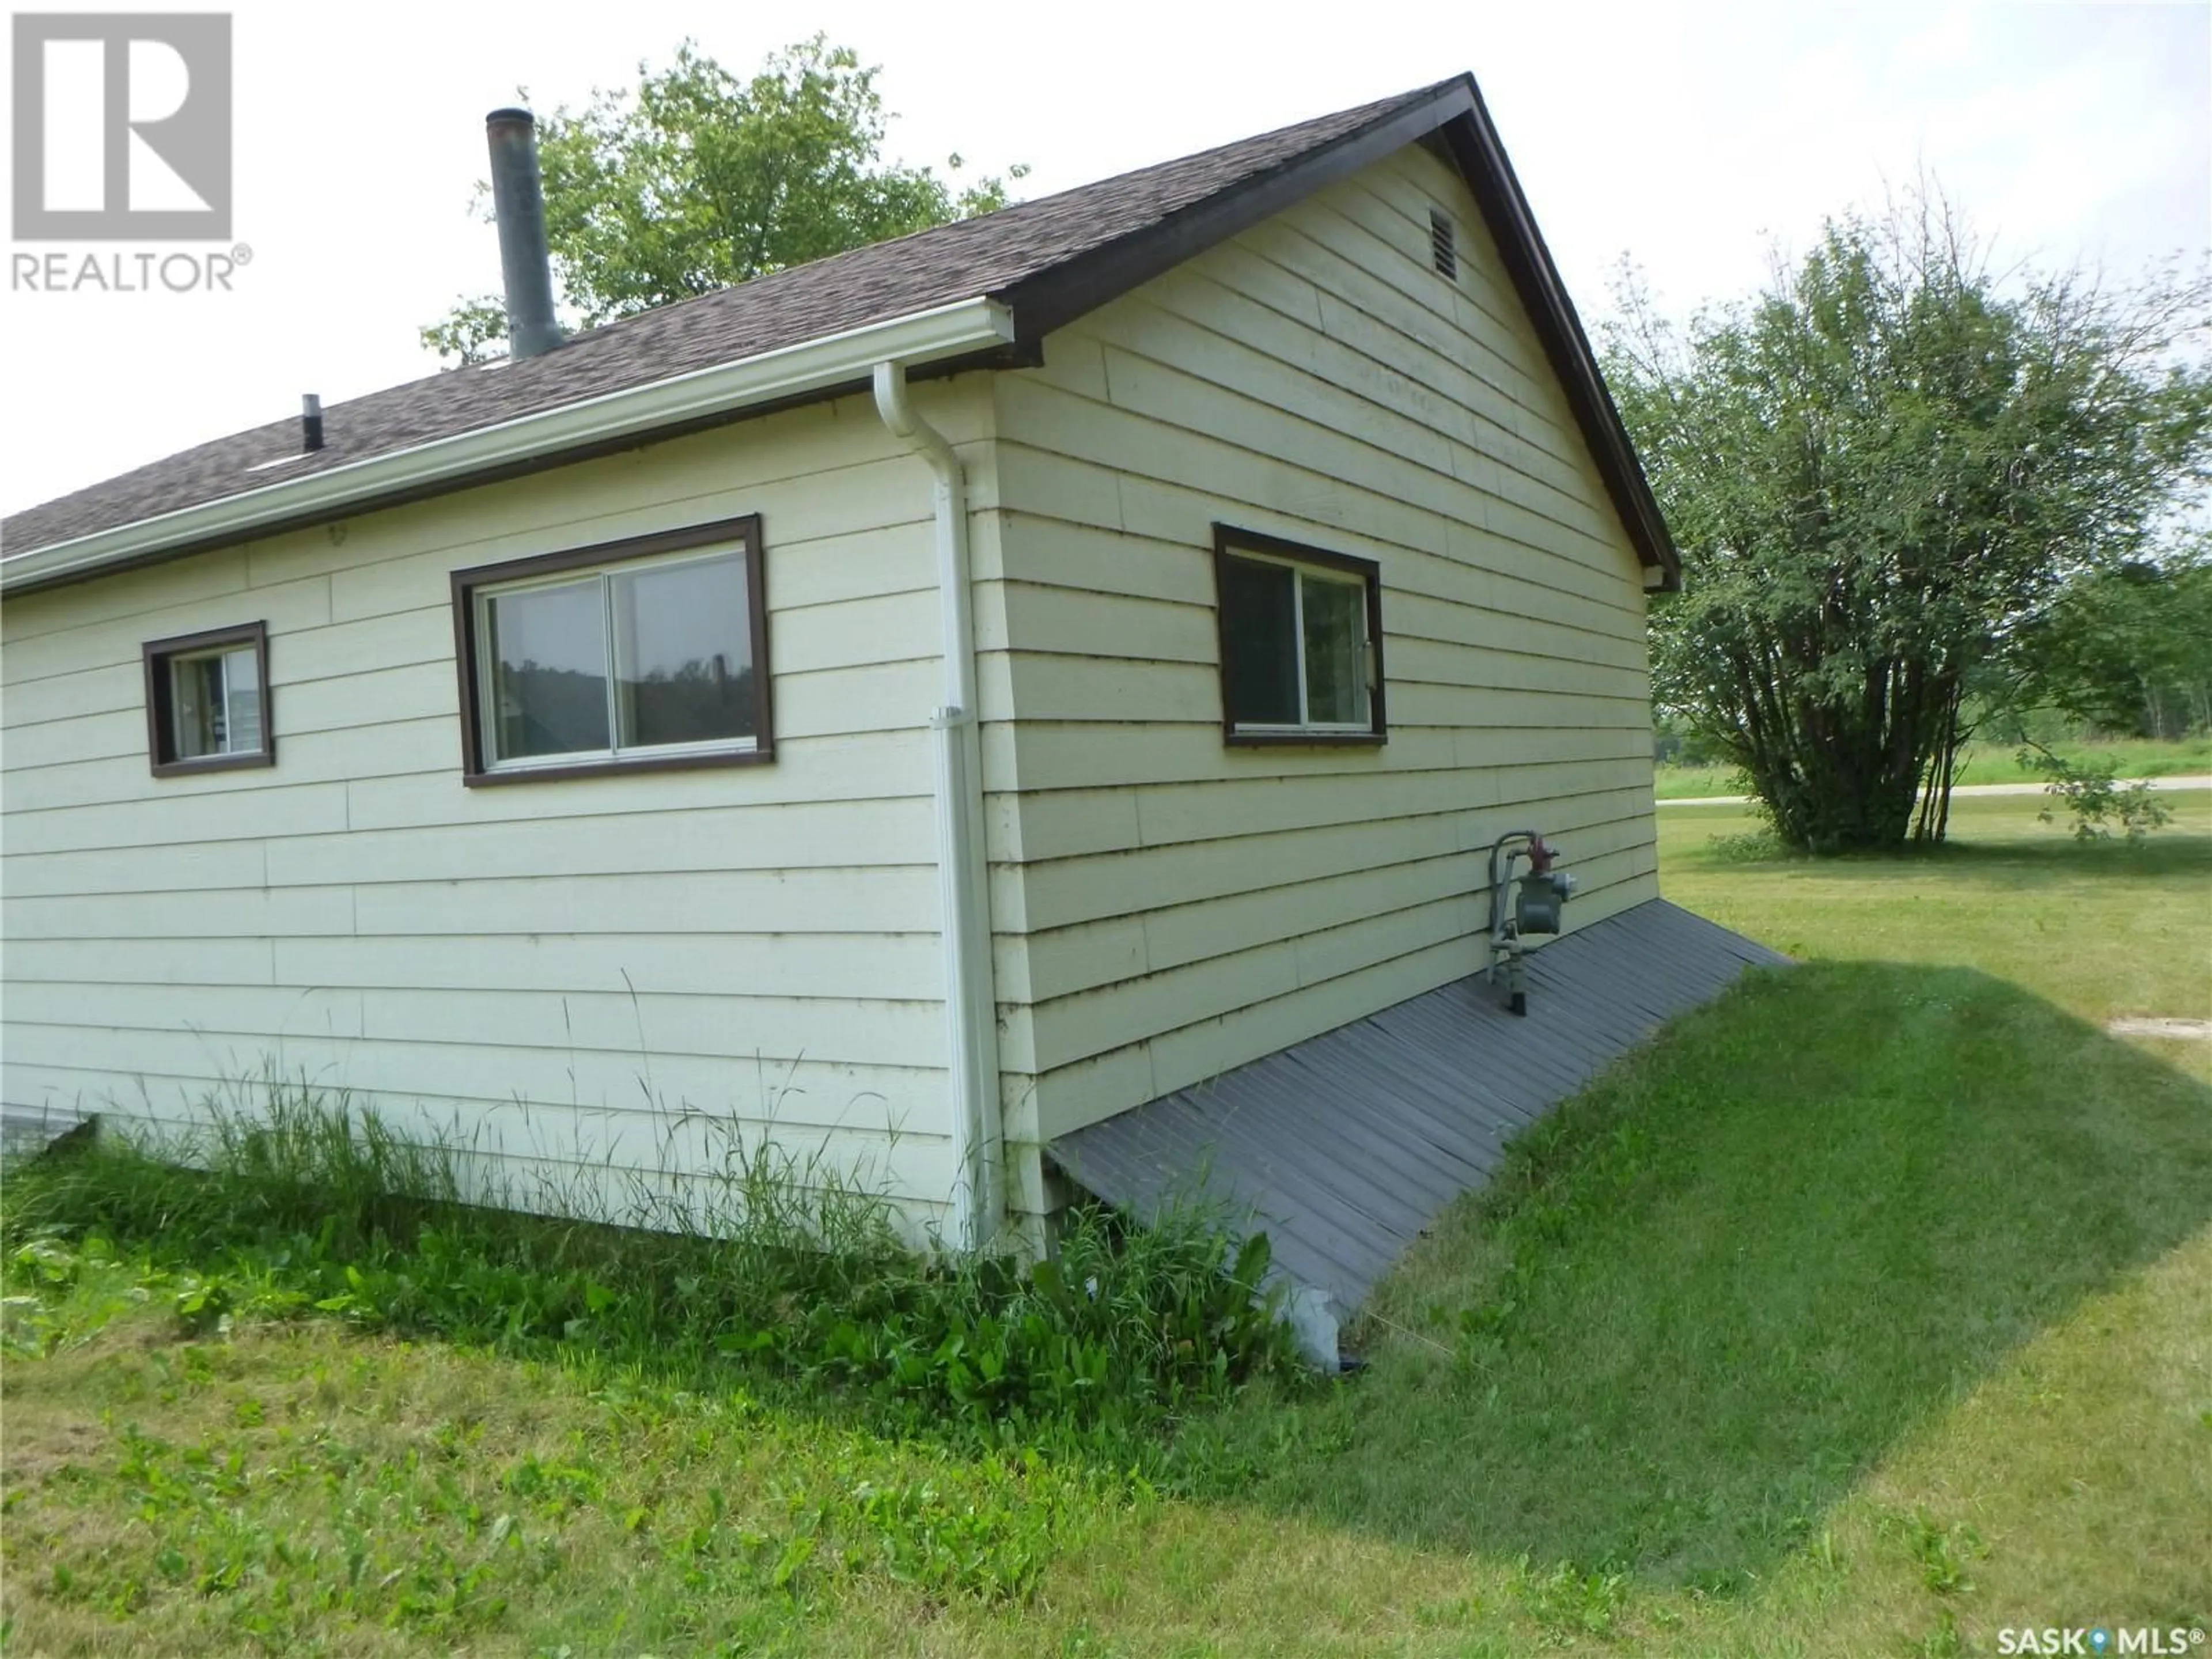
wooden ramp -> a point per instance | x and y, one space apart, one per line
26 1131
1342 1148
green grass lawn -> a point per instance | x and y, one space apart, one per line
2100 930
1868 1312
1993 763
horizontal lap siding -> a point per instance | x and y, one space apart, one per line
562 972
1169 907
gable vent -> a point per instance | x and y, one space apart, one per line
1444 245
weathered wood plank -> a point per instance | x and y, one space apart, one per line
1344 1146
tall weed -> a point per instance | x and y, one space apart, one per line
299 1203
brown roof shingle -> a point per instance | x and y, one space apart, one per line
1049 261
987 255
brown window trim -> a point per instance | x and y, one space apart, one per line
1229 539
156 655
746 530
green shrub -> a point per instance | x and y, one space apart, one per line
2089 794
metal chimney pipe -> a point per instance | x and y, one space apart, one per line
518 200
311 423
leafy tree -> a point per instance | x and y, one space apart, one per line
695 179
1881 472
2126 650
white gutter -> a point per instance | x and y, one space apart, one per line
971 1009
949 330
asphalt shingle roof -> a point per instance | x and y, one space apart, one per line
987 255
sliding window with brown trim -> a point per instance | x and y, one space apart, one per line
1301 642
644 654
207 702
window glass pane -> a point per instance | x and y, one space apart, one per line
195 705
1260 624
684 653
547 670
242 701
1336 651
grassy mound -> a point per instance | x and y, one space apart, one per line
1710 1295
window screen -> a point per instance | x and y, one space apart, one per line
1300 656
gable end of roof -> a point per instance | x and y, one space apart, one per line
1450 119
1475 144
1052 298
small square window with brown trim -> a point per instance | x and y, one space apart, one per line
1301 642
207 701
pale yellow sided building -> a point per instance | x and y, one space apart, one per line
594 975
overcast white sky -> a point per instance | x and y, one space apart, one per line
1690 137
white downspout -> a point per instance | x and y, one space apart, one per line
971 1009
